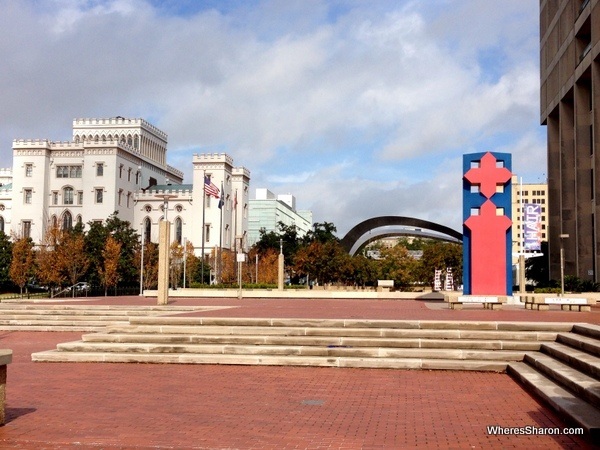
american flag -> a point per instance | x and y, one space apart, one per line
210 188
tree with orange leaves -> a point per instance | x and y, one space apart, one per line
109 271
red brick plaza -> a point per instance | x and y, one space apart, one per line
136 406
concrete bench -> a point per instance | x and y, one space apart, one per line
5 359
385 285
488 301
542 302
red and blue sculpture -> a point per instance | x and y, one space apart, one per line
487 224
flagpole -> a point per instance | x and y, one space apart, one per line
221 204
203 220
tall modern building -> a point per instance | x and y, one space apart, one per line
570 109
268 209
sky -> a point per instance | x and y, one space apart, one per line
358 108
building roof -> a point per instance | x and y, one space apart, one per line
6 187
170 187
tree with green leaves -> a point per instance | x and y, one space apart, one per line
5 259
121 231
440 255
537 269
397 264
321 232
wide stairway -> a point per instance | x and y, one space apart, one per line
566 374
560 362
401 344
38 317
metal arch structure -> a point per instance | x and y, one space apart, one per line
355 239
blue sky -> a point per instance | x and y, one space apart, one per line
357 108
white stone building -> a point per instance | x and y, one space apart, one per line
195 216
119 164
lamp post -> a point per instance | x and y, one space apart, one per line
163 251
142 263
184 259
281 266
562 263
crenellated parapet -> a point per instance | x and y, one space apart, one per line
240 172
213 158
45 143
29 143
119 122
7 172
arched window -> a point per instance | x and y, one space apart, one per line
136 142
67 221
1 224
147 229
129 140
178 226
54 222
68 196
79 220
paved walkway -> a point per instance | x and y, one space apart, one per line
136 406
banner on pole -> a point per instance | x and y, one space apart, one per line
532 227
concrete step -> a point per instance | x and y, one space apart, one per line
33 313
75 328
359 323
61 317
158 308
584 386
63 323
316 361
292 350
587 329
580 360
573 409
581 342
172 326
314 341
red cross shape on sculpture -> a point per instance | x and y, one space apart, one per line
487 176
488 254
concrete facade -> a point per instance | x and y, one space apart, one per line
570 98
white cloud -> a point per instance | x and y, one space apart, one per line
368 96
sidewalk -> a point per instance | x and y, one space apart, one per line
136 406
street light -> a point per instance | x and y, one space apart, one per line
166 198
562 263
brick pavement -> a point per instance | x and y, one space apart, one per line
89 405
